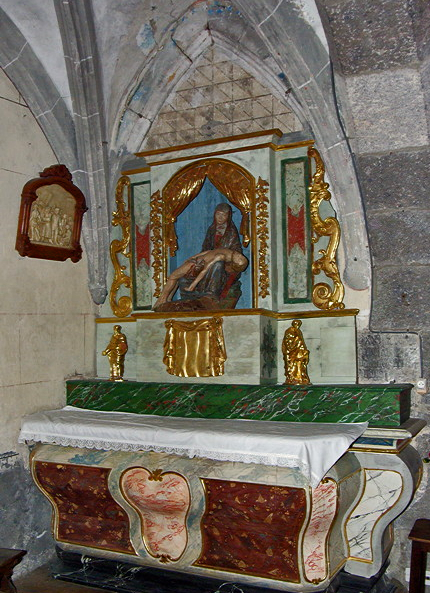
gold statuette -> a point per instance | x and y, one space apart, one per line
116 351
195 348
121 217
324 296
296 356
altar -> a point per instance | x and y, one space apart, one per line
274 503
225 436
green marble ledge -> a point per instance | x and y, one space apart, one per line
380 405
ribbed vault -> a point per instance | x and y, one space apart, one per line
123 63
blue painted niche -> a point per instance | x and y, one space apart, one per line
191 226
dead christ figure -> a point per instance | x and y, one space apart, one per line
195 269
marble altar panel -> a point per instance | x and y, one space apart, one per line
389 483
85 512
162 501
324 507
383 489
264 524
243 357
239 518
252 529
332 349
381 405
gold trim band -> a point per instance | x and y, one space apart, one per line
274 147
273 131
115 320
236 312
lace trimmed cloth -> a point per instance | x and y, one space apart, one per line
311 447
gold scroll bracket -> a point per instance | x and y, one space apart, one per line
324 296
122 306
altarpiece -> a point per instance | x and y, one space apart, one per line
240 446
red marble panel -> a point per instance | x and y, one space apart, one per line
324 505
87 513
252 529
162 500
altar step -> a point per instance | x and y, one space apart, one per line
42 581
122 578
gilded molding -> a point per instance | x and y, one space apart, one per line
323 295
273 131
263 235
156 218
232 180
238 312
156 475
121 217
114 320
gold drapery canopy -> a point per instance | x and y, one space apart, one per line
230 179
195 348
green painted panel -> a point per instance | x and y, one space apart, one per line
140 212
296 230
381 405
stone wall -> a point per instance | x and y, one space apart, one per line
381 55
46 321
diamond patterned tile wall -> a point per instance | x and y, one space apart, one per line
218 99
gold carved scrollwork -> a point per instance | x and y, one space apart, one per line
121 217
195 348
324 296
156 475
157 240
263 235
230 179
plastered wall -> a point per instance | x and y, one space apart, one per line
46 328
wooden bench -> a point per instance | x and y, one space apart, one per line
8 560
420 536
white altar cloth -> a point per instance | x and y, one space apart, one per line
312 447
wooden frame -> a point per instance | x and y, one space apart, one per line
50 218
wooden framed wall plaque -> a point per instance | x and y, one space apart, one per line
50 218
